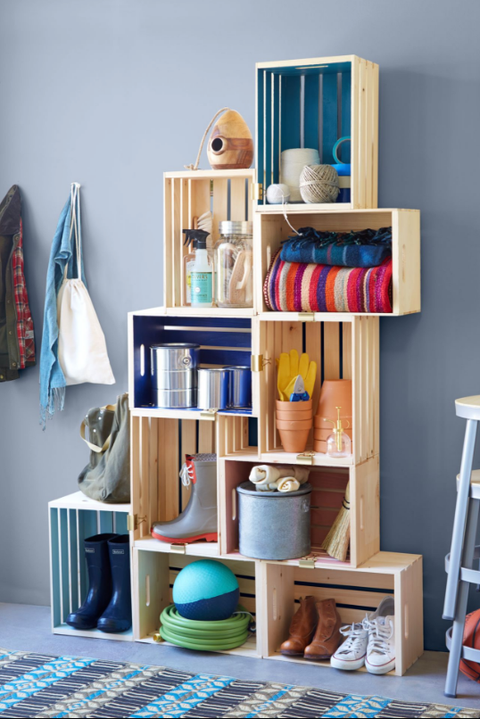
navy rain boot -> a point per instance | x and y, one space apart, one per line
100 583
117 617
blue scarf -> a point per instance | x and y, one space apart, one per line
52 380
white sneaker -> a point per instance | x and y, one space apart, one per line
380 657
351 653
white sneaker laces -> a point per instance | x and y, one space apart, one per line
186 474
355 637
379 634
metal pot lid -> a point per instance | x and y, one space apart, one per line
249 488
231 227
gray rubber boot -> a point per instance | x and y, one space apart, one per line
199 520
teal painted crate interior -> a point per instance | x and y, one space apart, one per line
302 106
69 528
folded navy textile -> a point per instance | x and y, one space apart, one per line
365 248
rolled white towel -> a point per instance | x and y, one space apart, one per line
263 475
288 484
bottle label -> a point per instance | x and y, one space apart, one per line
201 288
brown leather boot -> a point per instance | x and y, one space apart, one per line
327 637
302 628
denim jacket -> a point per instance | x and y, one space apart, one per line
17 343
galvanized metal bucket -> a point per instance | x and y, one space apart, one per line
274 525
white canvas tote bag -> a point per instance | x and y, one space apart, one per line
82 350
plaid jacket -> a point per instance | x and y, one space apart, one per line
17 343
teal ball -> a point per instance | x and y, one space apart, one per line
206 591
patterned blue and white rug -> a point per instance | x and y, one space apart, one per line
37 685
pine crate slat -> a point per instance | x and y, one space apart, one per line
187 196
72 519
271 229
312 103
355 593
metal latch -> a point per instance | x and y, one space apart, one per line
306 316
307 563
257 191
256 363
208 414
178 548
133 520
305 458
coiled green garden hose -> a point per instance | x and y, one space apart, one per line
206 636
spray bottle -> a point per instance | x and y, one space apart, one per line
201 269
339 443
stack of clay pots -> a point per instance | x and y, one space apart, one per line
334 393
294 422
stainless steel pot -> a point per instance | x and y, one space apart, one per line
213 384
174 374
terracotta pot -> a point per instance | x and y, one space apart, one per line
294 440
335 393
294 424
295 415
287 407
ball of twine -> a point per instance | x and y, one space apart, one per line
319 183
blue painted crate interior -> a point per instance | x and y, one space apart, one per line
222 342
302 106
69 528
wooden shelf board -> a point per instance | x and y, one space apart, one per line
78 500
319 459
302 208
249 649
272 316
65 629
193 413
212 174
210 312
243 456
195 549
381 563
307 662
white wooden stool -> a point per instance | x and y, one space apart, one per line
459 563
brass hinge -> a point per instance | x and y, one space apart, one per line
133 520
305 458
157 637
308 563
208 414
306 316
178 548
256 363
257 191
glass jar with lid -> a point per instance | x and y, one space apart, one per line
234 265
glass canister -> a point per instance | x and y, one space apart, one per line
234 265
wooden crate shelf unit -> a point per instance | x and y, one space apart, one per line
272 229
72 519
313 103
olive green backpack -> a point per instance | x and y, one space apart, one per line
106 477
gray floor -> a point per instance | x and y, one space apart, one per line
27 628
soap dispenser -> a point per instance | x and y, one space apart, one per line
339 443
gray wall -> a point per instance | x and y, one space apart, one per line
113 92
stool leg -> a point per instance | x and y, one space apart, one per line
460 520
462 599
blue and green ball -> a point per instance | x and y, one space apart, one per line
206 591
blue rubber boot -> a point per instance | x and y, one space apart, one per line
99 583
117 617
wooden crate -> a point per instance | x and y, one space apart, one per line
270 230
312 103
158 450
348 349
223 341
154 574
71 520
227 194
326 500
355 592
